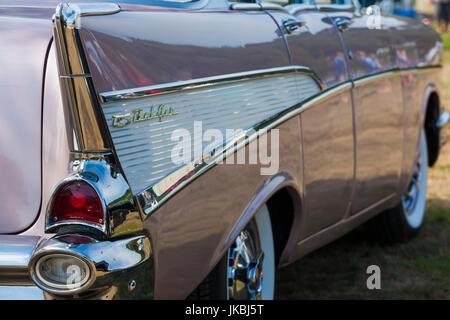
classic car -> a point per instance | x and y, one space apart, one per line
106 195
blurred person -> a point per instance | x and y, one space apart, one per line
442 8
340 71
369 62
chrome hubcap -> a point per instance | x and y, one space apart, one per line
410 197
245 272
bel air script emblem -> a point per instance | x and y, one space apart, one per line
122 120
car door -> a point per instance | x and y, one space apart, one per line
377 96
327 127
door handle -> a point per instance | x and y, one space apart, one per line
343 24
292 24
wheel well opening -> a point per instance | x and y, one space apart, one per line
281 210
431 131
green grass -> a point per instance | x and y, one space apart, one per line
419 269
445 38
434 267
437 214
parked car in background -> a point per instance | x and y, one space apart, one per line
97 95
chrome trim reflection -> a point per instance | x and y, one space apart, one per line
15 253
296 8
244 6
76 83
21 293
393 72
336 7
166 88
93 160
99 171
273 6
106 259
66 20
362 81
144 149
153 197
418 70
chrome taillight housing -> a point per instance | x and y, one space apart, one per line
94 200
76 202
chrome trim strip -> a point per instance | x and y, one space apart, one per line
144 149
152 198
66 19
336 7
244 6
21 293
362 81
78 94
143 92
95 9
296 8
15 253
418 69
393 72
94 154
273 6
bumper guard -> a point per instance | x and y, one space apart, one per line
121 269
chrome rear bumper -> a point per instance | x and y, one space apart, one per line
21 293
15 282
122 269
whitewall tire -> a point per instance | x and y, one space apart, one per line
404 221
247 271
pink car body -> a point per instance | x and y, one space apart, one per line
348 139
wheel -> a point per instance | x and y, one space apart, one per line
247 271
404 221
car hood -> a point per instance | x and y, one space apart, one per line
25 35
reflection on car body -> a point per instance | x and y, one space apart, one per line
94 205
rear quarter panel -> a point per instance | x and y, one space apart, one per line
192 231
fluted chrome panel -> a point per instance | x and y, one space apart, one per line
144 148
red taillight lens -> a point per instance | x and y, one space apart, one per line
78 201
